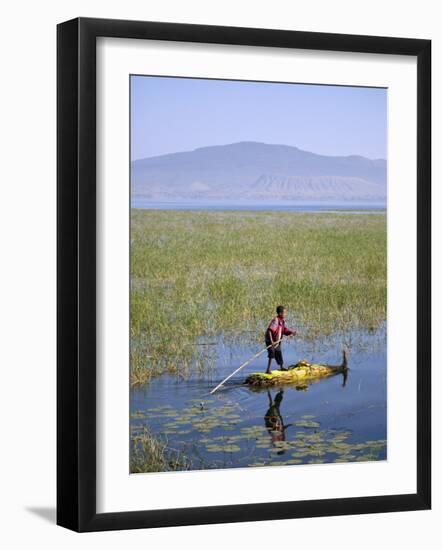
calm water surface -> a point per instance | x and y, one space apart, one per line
281 206
331 420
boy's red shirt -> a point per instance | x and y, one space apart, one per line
279 329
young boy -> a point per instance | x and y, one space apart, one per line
273 336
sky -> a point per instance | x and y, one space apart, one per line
170 115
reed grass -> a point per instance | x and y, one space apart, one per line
201 274
150 453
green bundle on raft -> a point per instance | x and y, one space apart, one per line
295 374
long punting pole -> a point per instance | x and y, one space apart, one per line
244 364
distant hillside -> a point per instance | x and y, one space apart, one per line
258 171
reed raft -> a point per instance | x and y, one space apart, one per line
302 371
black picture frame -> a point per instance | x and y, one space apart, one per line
77 287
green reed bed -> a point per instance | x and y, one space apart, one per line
199 274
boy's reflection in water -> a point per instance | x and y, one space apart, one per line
274 421
344 378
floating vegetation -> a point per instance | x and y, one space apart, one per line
307 424
253 431
137 415
229 448
208 444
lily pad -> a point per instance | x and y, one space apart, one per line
307 424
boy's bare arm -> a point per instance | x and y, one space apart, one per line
269 334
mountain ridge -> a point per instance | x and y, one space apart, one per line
255 170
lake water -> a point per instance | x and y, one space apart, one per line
331 420
282 206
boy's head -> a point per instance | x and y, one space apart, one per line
281 311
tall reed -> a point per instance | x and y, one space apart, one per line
200 274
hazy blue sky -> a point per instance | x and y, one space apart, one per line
180 114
